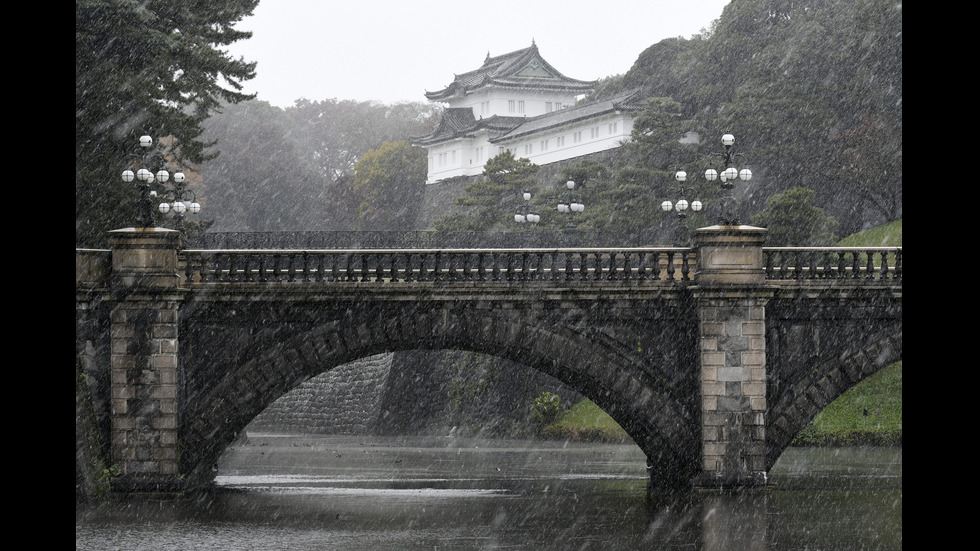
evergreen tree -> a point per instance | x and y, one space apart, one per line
493 199
156 68
391 182
794 221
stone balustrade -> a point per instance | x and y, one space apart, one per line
438 265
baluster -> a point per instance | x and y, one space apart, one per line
319 268
247 268
480 268
798 274
261 276
685 266
364 267
611 274
291 272
768 257
870 270
583 269
898 265
812 262
188 269
378 270
841 268
407 270
855 265
349 274
883 272
218 272
654 262
569 269
670 266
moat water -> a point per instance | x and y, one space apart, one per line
368 493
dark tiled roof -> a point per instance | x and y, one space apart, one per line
459 122
523 69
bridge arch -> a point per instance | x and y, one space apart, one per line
236 372
817 353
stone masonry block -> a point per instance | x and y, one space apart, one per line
709 403
739 374
712 418
163 361
752 358
712 329
709 374
753 328
733 344
716 359
714 388
717 449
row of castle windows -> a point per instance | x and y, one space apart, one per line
544 145
518 107
449 157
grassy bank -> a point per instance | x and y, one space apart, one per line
585 421
869 414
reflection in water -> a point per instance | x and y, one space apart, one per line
331 494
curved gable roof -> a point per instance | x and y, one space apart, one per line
459 122
524 69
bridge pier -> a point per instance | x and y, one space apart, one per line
731 299
143 359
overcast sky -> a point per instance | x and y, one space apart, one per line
391 51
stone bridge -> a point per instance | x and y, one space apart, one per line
711 357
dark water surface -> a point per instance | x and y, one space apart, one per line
366 493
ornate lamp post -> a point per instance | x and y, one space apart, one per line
729 214
144 210
177 199
526 214
681 237
570 203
